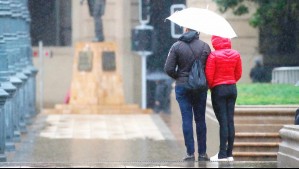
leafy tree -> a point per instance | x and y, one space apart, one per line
278 21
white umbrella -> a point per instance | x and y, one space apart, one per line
203 20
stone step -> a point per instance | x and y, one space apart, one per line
265 107
256 147
257 137
264 120
269 106
261 128
265 112
257 130
255 156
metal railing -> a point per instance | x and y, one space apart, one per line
285 75
17 74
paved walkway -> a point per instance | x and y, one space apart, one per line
95 138
105 141
168 164
106 127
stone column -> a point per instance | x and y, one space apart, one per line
8 112
18 30
28 53
5 81
25 58
17 77
3 97
8 107
3 94
10 27
16 112
23 108
6 73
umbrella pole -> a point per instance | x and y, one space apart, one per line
144 86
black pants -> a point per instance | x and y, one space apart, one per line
224 99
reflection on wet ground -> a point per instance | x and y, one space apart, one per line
130 141
168 164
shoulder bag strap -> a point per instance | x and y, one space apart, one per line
201 51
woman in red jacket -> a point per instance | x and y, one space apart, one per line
223 71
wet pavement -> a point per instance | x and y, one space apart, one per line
106 127
94 141
136 138
169 164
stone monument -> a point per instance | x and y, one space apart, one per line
97 85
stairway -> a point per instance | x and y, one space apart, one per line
257 130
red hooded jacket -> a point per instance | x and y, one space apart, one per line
224 65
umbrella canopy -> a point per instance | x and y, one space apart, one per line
203 20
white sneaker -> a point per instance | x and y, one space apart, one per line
230 159
216 159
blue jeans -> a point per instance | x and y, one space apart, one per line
193 102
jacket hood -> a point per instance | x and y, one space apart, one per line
188 37
220 43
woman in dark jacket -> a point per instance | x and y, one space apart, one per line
223 71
